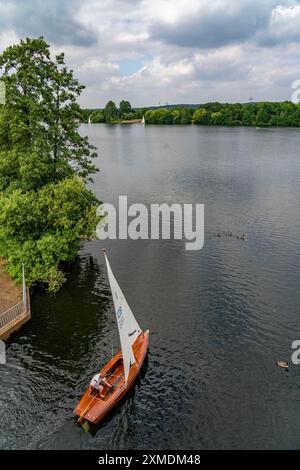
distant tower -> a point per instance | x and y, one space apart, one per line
251 99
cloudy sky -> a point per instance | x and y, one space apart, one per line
159 51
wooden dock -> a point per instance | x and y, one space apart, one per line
131 121
14 304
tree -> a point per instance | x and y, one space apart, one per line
42 229
176 116
97 117
181 116
159 116
200 116
216 118
45 208
41 112
125 107
263 115
186 116
149 116
110 112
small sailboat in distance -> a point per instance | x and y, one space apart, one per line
143 120
122 370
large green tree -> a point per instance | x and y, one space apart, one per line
45 207
110 112
124 107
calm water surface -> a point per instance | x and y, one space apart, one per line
219 318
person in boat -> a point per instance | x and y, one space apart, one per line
98 384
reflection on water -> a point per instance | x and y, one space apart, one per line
219 318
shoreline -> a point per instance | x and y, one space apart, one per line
235 126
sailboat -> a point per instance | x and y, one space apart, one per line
122 370
143 120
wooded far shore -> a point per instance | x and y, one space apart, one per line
261 114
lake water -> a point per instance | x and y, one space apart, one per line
219 318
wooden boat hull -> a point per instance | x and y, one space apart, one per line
93 408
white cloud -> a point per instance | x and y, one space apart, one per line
284 24
188 50
7 38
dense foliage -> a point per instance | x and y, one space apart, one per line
251 114
169 116
45 207
262 114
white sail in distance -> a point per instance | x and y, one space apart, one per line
128 327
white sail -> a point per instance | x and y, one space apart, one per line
128 327
143 120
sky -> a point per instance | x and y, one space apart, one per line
155 52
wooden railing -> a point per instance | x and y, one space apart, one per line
14 317
12 314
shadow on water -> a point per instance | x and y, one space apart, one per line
77 315
53 357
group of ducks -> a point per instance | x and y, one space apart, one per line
281 364
230 234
